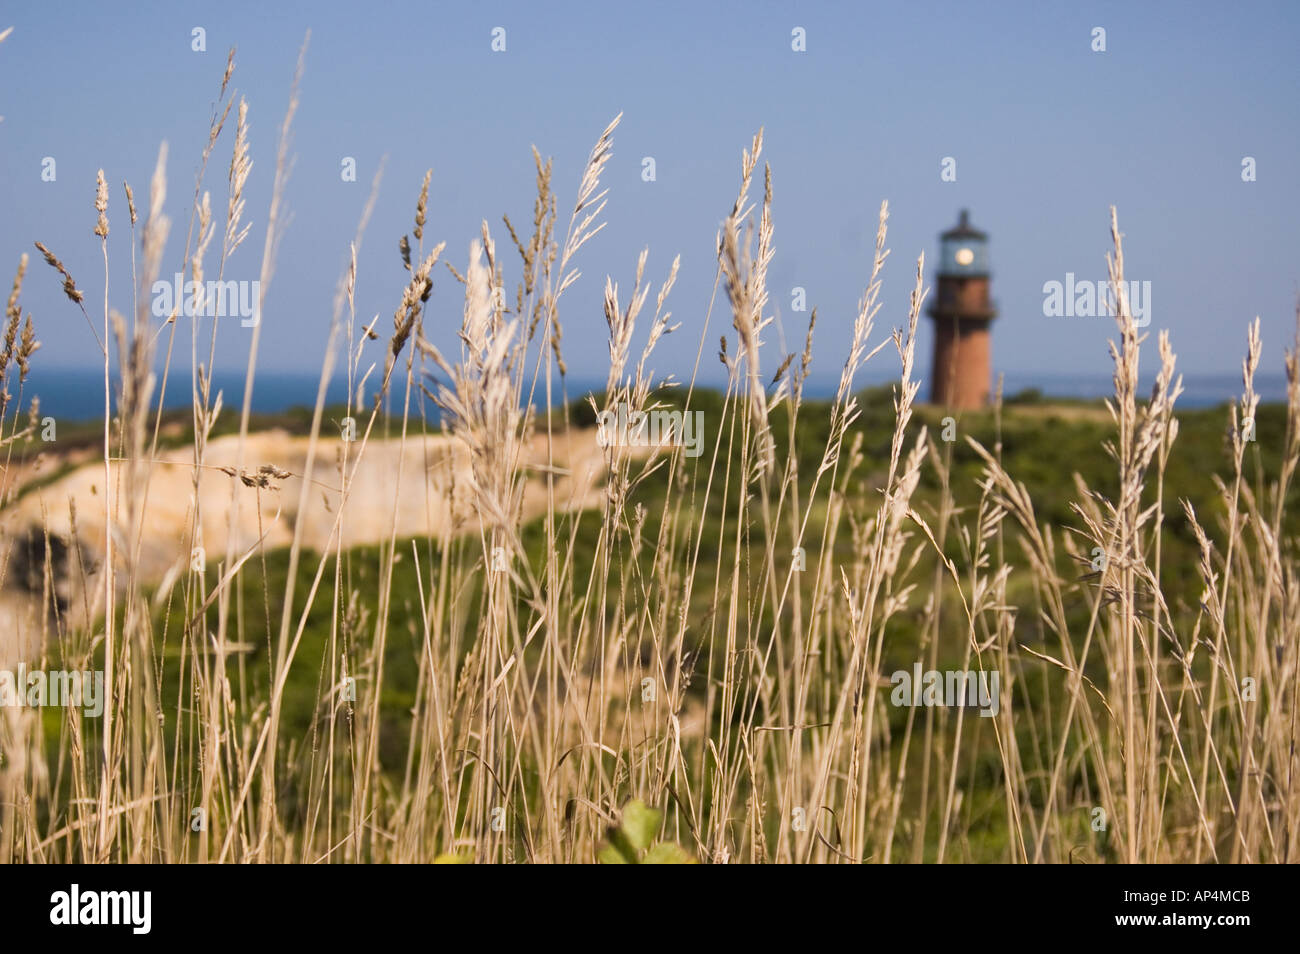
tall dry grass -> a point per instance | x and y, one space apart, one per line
549 694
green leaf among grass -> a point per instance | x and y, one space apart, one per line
632 842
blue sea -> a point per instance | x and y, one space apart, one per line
78 394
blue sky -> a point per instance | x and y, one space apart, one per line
1046 132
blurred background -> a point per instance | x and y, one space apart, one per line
1046 132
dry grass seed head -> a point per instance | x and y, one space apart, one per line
101 205
130 202
240 166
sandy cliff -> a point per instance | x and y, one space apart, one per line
422 484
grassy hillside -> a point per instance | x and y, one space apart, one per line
1040 442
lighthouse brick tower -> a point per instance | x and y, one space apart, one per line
962 313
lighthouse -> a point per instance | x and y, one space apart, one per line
962 313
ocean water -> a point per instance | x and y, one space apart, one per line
1199 390
78 394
